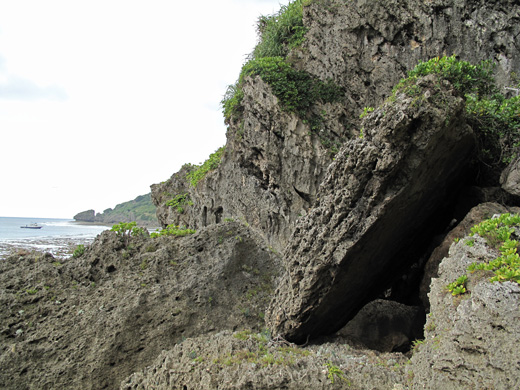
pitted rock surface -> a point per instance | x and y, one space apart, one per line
470 340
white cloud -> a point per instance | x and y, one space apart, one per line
14 87
100 99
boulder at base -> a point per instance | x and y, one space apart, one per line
471 340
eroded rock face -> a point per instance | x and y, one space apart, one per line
274 163
510 178
470 340
476 215
380 194
242 361
368 45
86 216
87 323
269 174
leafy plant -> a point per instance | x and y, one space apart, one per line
231 102
179 202
470 243
296 90
497 232
495 118
334 371
417 343
459 286
127 229
196 175
498 121
465 77
280 32
79 251
366 111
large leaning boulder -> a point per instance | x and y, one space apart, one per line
380 195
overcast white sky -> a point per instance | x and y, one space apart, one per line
99 99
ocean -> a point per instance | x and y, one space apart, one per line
57 236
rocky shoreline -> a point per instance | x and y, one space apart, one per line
327 246
60 247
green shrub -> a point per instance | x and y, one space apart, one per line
506 267
79 251
179 202
498 232
495 118
280 32
127 229
297 90
334 372
465 77
459 286
210 164
498 122
232 101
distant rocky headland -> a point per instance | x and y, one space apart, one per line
358 230
140 210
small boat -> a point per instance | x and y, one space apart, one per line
32 226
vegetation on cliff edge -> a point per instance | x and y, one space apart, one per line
197 174
498 233
495 118
297 90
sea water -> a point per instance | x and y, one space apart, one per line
57 236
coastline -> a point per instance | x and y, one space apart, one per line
60 247
57 236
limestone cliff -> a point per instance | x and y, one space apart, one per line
274 161
308 219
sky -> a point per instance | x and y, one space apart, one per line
99 99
